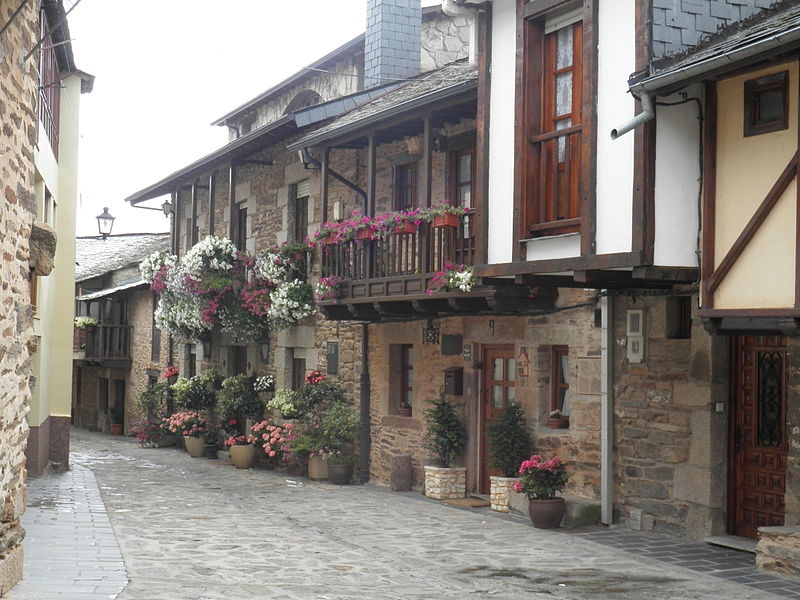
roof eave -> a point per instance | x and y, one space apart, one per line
412 105
683 75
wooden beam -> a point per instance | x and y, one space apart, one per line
747 234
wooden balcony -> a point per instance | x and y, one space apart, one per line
388 277
108 345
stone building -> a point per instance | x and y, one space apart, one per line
124 352
597 290
38 170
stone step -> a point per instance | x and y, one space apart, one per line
778 550
580 511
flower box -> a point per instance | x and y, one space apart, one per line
365 233
330 240
445 220
407 227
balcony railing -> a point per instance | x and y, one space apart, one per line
108 343
412 256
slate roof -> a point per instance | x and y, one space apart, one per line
431 87
765 34
95 256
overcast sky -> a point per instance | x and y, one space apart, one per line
165 69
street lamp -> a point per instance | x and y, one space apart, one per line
105 222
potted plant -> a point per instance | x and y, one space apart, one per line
242 450
445 437
452 277
272 439
339 429
557 420
509 444
191 425
541 481
340 466
211 441
285 402
404 409
198 392
239 399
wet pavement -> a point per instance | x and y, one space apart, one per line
131 523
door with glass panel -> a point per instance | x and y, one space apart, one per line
497 390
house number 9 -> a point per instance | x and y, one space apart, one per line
491 326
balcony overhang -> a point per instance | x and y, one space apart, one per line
502 298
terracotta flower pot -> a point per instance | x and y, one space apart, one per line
547 514
445 220
317 469
365 233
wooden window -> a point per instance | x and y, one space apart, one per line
49 87
766 104
155 339
401 380
241 227
300 211
298 373
462 177
404 195
553 120
559 379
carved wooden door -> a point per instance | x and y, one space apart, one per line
499 375
758 445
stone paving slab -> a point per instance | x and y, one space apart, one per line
197 529
71 552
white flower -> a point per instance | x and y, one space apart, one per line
272 267
291 302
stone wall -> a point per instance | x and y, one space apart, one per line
572 325
140 315
18 93
670 444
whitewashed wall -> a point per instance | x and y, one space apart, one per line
501 131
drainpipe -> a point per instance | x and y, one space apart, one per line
607 409
456 8
363 425
646 115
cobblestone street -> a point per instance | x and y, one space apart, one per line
200 529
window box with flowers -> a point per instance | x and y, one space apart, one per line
452 277
444 215
85 322
330 287
542 480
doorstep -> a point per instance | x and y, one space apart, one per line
734 542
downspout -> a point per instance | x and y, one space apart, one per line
647 114
607 409
364 421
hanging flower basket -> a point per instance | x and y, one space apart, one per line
330 240
445 220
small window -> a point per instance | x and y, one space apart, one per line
298 373
559 377
401 380
405 187
241 227
679 318
155 340
766 104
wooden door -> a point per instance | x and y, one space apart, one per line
758 445
498 380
